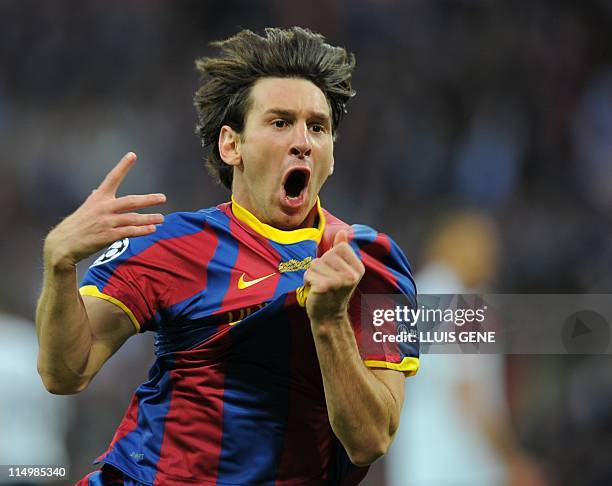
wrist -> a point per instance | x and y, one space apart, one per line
56 260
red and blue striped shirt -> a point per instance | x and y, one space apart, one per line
235 395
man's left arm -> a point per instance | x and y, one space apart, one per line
363 404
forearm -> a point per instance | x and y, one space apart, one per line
363 412
63 330
72 344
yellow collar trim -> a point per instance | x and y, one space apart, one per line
275 234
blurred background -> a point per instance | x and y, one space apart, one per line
480 118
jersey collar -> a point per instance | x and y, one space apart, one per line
275 234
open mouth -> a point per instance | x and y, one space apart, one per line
296 181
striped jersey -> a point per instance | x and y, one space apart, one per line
235 395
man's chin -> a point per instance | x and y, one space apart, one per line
288 221
293 215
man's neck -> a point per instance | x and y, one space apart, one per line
310 221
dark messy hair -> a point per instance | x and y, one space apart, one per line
223 98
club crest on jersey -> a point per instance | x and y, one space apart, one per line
112 252
294 265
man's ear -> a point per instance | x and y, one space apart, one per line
229 146
331 169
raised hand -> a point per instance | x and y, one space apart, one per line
102 219
331 280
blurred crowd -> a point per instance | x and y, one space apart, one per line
497 108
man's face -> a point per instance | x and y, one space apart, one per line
285 153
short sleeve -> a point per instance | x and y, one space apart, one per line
387 290
122 275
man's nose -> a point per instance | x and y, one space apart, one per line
301 146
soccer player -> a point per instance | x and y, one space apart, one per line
266 370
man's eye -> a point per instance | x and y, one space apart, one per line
317 128
280 123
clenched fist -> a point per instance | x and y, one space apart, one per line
102 219
331 280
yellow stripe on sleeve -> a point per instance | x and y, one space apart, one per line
409 365
92 291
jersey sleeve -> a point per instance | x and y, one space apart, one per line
147 275
122 275
386 289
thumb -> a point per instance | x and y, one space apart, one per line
340 237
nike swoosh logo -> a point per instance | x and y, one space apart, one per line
243 284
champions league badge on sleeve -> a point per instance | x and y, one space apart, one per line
112 252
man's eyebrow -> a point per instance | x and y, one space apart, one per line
315 115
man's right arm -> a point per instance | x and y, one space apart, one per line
78 334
